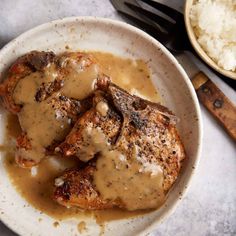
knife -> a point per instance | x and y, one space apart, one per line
211 96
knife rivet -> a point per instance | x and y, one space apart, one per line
205 89
218 103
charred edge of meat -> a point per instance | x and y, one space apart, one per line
139 105
137 102
103 82
50 150
63 191
46 90
137 121
67 189
108 99
38 60
85 104
126 103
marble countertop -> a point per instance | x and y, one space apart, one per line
209 207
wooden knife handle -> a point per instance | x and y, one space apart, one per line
216 102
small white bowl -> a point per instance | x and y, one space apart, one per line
174 86
197 46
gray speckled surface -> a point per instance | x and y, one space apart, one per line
210 205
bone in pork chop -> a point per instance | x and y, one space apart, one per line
136 163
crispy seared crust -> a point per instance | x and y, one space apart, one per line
151 127
22 67
78 190
75 144
23 142
146 126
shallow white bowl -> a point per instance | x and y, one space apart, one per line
197 46
174 86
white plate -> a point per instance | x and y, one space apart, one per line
174 86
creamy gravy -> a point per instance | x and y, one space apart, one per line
38 190
94 141
42 127
119 178
80 75
102 108
135 181
43 122
130 75
80 84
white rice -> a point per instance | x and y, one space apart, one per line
214 23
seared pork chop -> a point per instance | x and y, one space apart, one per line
145 138
46 85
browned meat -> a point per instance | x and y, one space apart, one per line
79 142
152 128
75 188
22 67
147 128
62 105
53 71
23 143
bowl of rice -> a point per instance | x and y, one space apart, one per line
211 27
